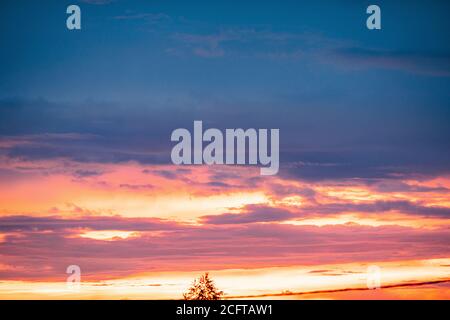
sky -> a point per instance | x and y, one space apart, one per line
85 171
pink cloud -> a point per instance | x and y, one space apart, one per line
41 248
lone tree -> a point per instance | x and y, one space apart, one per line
203 288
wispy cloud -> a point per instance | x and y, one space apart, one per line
152 18
425 63
313 48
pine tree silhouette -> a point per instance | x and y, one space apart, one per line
203 289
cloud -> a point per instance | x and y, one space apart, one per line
163 244
401 206
280 190
343 290
400 186
137 186
87 173
247 42
259 213
318 143
170 174
151 18
363 162
425 63
53 223
311 47
252 213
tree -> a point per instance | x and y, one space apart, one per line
203 288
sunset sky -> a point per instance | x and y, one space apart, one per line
85 171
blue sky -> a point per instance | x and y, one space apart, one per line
358 100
